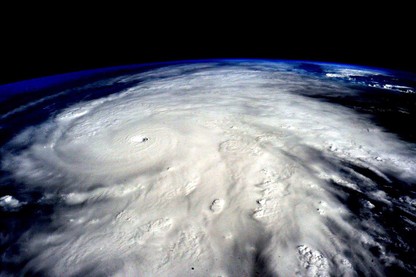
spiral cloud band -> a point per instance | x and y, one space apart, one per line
210 171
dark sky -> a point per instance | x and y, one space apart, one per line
40 45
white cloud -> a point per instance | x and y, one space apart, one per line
231 169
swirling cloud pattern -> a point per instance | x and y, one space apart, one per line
210 171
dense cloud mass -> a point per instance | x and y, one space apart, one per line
210 171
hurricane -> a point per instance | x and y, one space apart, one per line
238 168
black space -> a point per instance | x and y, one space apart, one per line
59 40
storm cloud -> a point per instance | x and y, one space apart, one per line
210 171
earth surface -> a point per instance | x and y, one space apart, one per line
210 168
